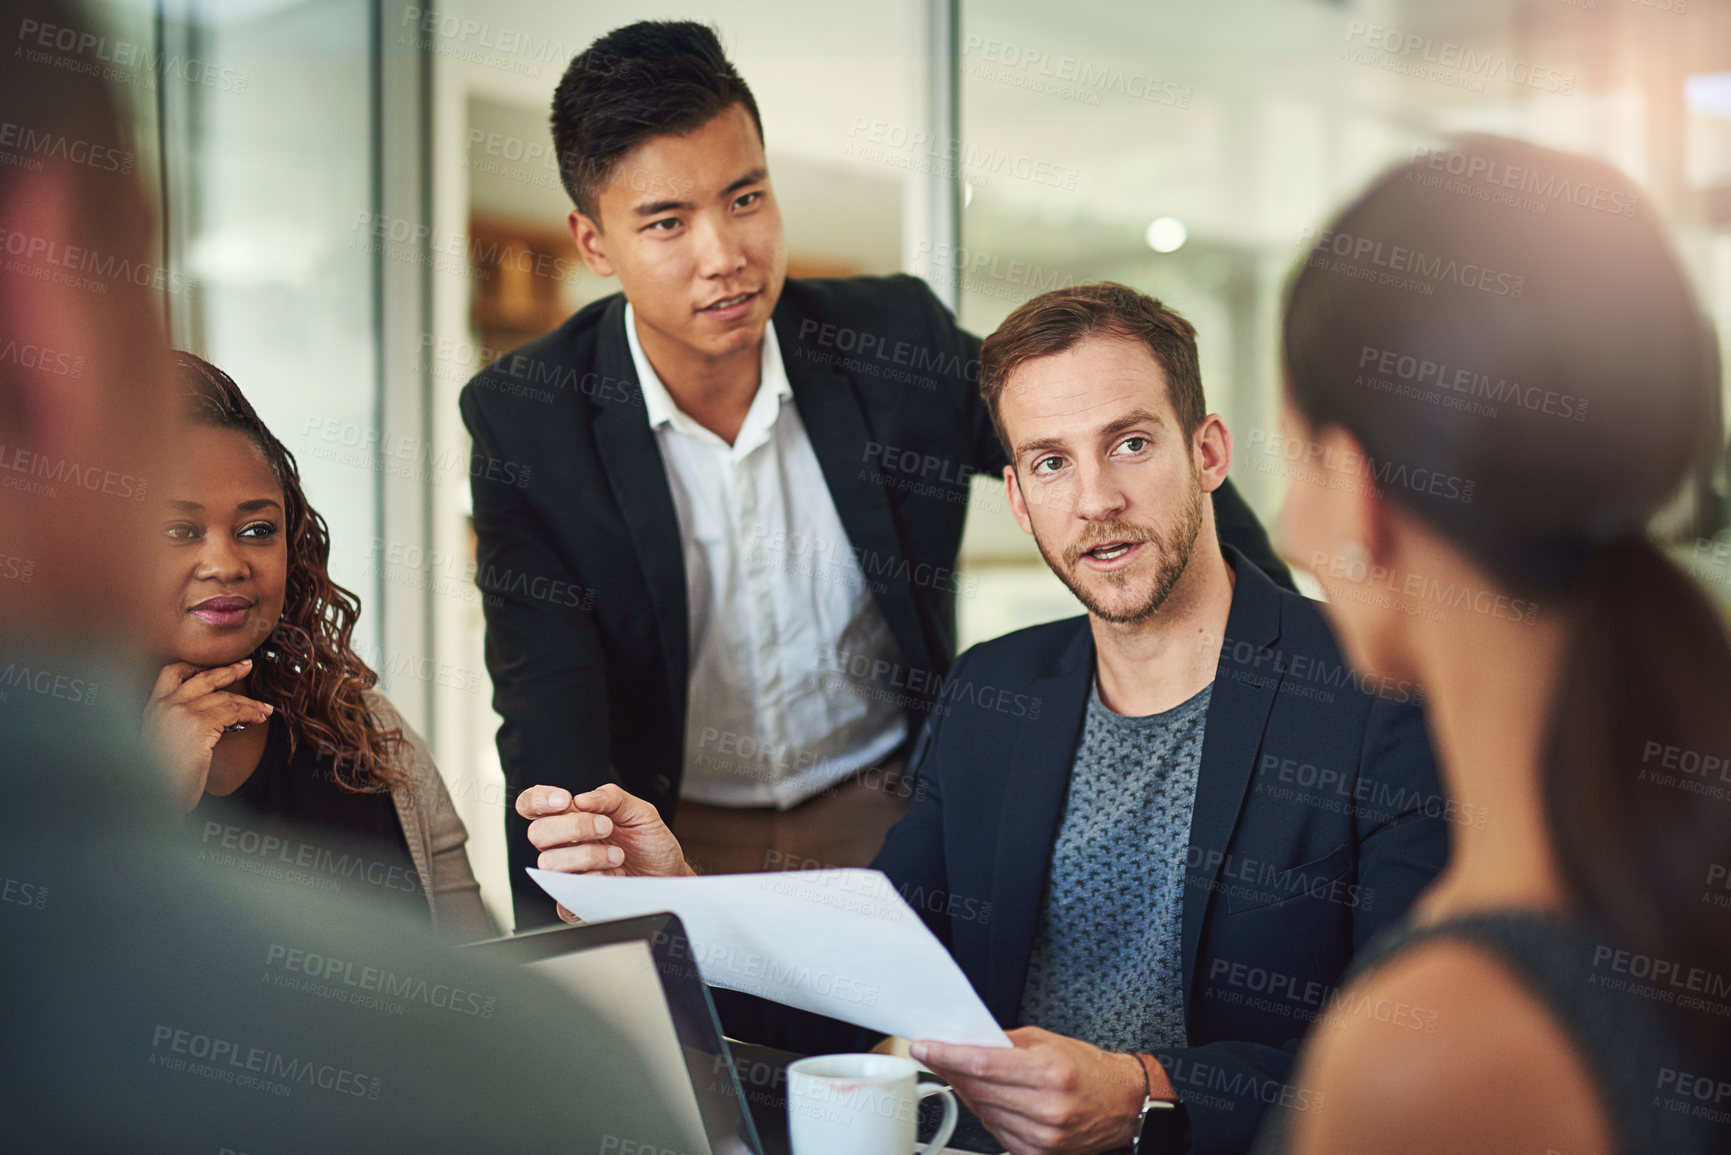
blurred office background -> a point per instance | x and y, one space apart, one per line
362 207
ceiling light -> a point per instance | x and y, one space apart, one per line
1166 234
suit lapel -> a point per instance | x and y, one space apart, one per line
635 472
830 410
1244 688
1036 785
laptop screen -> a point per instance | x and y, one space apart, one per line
620 982
637 973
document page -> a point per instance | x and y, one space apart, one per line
840 943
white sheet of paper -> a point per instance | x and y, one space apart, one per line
840 943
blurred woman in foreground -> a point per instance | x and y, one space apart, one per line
1498 401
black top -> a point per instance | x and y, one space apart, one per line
578 555
291 822
1641 1071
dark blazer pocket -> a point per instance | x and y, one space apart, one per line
1307 880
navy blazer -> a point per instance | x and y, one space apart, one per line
1318 818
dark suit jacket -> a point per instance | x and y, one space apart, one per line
1318 818
578 553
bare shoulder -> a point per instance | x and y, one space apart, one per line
1443 1050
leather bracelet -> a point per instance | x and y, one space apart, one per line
1162 1126
1147 1088
1147 1074
1147 1094
1170 1122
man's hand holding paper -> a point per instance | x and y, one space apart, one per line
840 943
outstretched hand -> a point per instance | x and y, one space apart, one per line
604 831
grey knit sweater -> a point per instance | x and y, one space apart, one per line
1105 966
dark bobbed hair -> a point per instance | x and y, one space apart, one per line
652 78
1570 315
307 667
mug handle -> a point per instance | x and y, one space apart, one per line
948 1126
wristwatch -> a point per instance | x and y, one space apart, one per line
1163 1128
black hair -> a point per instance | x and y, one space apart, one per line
1514 316
652 78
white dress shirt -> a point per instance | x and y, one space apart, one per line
780 613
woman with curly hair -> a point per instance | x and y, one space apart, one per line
264 716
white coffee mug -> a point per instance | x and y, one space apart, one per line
861 1105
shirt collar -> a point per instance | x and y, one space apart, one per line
661 409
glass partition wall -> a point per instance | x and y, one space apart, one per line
1192 151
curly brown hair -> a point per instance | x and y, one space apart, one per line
307 667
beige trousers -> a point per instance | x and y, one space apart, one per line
844 826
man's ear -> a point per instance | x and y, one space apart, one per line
1013 494
591 245
1211 449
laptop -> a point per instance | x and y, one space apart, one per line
639 972
716 1096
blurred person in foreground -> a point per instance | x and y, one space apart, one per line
1570 955
267 720
148 1005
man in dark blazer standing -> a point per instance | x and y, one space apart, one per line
1153 837
729 581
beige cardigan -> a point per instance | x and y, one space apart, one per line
435 835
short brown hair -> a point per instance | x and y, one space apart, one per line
1057 321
